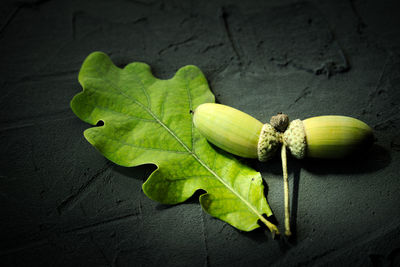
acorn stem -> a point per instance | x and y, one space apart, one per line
286 190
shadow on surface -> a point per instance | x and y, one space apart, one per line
296 169
260 235
141 172
377 158
194 199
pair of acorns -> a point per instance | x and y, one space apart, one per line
326 137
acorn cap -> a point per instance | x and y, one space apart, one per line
268 142
295 139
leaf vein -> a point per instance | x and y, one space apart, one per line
141 147
170 131
176 179
145 93
148 111
191 109
123 114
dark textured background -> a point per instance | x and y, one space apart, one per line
63 204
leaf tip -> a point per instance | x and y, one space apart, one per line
97 59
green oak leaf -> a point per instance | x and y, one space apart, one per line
148 120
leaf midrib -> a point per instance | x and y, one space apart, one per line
253 209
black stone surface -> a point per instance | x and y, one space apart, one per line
63 204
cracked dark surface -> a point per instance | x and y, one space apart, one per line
63 204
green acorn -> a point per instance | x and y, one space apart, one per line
316 137
328 137
228 128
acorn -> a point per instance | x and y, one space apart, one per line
228 128
325 137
